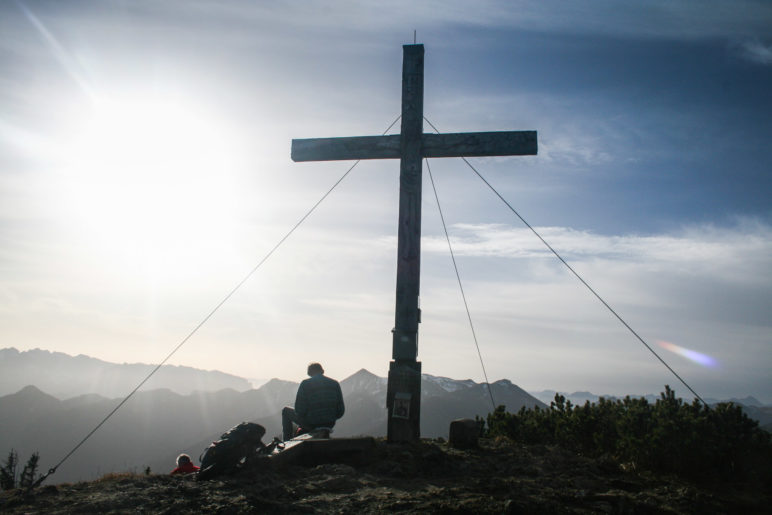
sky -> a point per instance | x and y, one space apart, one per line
145 170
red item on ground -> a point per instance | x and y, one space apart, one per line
185 468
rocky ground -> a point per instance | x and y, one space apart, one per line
429 477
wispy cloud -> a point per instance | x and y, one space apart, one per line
705 287
737 253
653 19
757 52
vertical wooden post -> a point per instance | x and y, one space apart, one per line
404 386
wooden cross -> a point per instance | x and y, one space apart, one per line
403 398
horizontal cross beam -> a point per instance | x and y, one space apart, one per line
344 149
462 144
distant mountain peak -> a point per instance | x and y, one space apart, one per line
33 392
276 382
363 381
31 397
362 373
747 401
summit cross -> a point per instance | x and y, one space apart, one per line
403 397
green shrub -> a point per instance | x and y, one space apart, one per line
29 472
8 471
8 476
692 440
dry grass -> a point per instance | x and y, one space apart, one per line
116 476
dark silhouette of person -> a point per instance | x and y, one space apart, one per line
184 465
319 403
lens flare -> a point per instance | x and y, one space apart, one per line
692 355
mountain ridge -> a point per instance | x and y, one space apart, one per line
156 425
14 375
69 376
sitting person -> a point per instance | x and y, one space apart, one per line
184 465
319 403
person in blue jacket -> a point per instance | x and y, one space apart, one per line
319 403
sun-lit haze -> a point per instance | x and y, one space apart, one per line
138 181
145 170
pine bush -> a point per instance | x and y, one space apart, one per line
8 471
29 472
691 440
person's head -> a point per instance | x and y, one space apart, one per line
314 369
182 459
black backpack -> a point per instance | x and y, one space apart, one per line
236 445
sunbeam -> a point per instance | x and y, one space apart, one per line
59 52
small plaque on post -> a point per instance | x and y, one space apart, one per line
401 405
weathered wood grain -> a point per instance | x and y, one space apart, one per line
473 144
343 149
462 144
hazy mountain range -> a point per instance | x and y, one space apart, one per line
156 425
63 376
579 398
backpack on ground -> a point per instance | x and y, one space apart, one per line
235 447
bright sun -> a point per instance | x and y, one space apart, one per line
150 180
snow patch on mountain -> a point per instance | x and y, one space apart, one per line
448 384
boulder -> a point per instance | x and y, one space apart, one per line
463 433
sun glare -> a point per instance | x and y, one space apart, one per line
150 180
